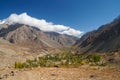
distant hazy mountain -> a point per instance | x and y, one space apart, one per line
105 39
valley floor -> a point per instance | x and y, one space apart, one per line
93 73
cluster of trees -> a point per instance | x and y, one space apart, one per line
61 60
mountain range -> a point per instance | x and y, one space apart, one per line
104 39
24 35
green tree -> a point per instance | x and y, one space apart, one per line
94 58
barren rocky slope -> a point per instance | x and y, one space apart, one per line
10 53
24 34
105 39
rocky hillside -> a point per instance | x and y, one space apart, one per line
9 53
26 35
105 39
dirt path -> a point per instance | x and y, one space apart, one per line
65 74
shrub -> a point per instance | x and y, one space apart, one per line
19 65
83 62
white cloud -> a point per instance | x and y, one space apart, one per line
71 31
1 22
41 24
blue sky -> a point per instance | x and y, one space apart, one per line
84 15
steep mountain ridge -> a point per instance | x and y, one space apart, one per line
63 39
105 39
24 34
